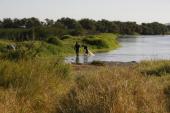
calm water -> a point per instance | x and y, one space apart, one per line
134 49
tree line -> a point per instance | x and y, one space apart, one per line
33 28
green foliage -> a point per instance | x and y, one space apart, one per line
66 37
29 50
72 26
19 71
54 40
23 51
101 41
29 28
94 41
55 46
105 26
16 34
155 68
154 28
88 25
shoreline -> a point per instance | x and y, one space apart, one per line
107 63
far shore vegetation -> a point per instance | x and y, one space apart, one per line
35 79
34 29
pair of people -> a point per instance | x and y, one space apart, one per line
77 49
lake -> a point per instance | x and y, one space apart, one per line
134 49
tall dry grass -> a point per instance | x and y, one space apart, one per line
32 86
116 90
50 86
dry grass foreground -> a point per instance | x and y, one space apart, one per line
43 86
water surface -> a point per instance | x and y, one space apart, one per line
134 49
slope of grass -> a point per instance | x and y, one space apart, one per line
101 42
28 49
96 43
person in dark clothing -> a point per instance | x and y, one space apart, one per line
86 52
77 48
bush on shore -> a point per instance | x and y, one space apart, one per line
99 43
102 41
54 40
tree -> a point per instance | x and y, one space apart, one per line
0 24
168 28
88 24
73 27
68 23
32 22
49 22
7 23
18 23
106 26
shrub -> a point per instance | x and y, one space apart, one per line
98 63
23 51
66 37
54 40
156 68
95 41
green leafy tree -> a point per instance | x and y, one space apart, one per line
89 25
7 23
49 22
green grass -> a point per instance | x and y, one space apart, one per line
155 68
28 49
96 43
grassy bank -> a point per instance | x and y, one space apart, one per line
49 86
64 46
96 43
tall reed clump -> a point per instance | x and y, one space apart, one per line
114 90
32 86
155 68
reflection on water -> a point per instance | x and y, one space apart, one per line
85 59
77 59
134 49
